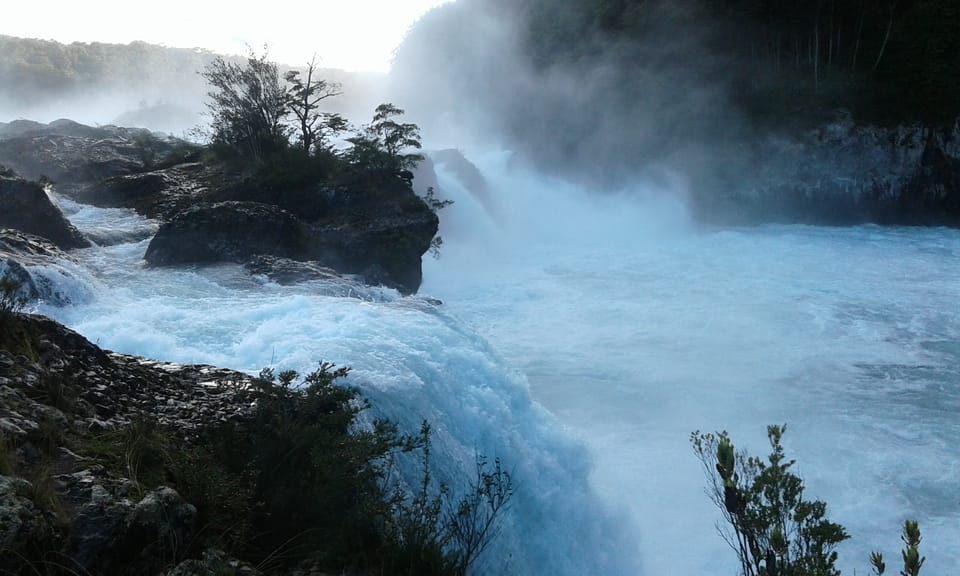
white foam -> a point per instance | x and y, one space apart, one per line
634 337
633 328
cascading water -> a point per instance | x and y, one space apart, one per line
635 329
632 328
409 357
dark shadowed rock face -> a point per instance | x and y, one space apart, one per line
25 206
374 227
157 194
227 232
377 228
840 174
106 520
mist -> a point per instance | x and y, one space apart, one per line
626 109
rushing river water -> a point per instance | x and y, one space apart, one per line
583 337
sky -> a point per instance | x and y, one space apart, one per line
357 35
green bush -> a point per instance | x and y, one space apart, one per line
774 531
307 483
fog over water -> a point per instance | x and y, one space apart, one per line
587 329
583 344
635 327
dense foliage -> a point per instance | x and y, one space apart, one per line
891 60
261 119
303 480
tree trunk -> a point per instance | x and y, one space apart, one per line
856 44
830 36
796 51
886 36
816 58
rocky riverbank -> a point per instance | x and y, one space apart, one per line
115 464
80 430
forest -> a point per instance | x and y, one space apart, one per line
887 61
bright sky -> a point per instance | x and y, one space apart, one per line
349 34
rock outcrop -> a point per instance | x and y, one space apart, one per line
69 153
25 206
227 232
367 224
157 194
374 227
58 503
841 174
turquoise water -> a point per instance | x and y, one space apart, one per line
583 337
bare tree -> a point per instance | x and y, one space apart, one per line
303 99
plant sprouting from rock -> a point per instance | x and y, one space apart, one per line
435 204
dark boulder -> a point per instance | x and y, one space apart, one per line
25 206
371 225
227 232
156 194
375 227
24 527
112 535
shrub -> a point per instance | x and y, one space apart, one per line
912 561
773 529
429 533
317 487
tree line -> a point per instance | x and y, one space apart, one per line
885 60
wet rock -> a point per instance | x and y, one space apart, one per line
227 232
157 194
380 231
285 271
25 206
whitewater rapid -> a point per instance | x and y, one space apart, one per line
583 337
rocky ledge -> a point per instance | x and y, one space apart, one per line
22 255
71 415
368 224
840 173
24 205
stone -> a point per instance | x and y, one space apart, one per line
227 232
25 206
23 526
